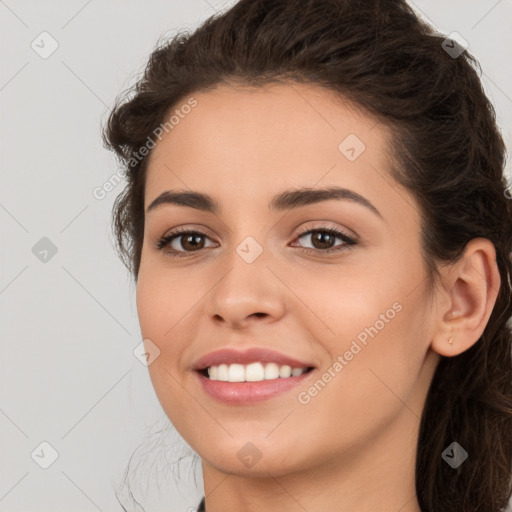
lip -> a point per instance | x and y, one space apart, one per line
247 393
252 355
240 393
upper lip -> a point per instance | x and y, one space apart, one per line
252 355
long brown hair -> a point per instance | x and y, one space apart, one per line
447 151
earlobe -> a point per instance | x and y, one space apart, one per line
470 287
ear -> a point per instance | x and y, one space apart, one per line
468 296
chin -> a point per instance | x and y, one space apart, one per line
252 456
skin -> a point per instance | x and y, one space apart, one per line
352 447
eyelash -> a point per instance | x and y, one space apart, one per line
167 239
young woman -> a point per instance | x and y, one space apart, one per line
317 220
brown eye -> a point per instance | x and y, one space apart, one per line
182 242
192 241
323 240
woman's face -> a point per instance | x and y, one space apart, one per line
357 312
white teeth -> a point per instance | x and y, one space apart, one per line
254 372
236 373
285 371
271 371
222 372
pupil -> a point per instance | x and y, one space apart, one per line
194 244
319 237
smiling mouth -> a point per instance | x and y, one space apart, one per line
254 372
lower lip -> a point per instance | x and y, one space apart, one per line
249 392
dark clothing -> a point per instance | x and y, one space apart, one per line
201 506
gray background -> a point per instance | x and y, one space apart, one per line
69 376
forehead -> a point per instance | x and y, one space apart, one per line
247 141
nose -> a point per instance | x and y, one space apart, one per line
246 293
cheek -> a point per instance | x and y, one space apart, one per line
160 306
364 389
166 305
163 299
375 349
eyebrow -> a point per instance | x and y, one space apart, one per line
286 200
